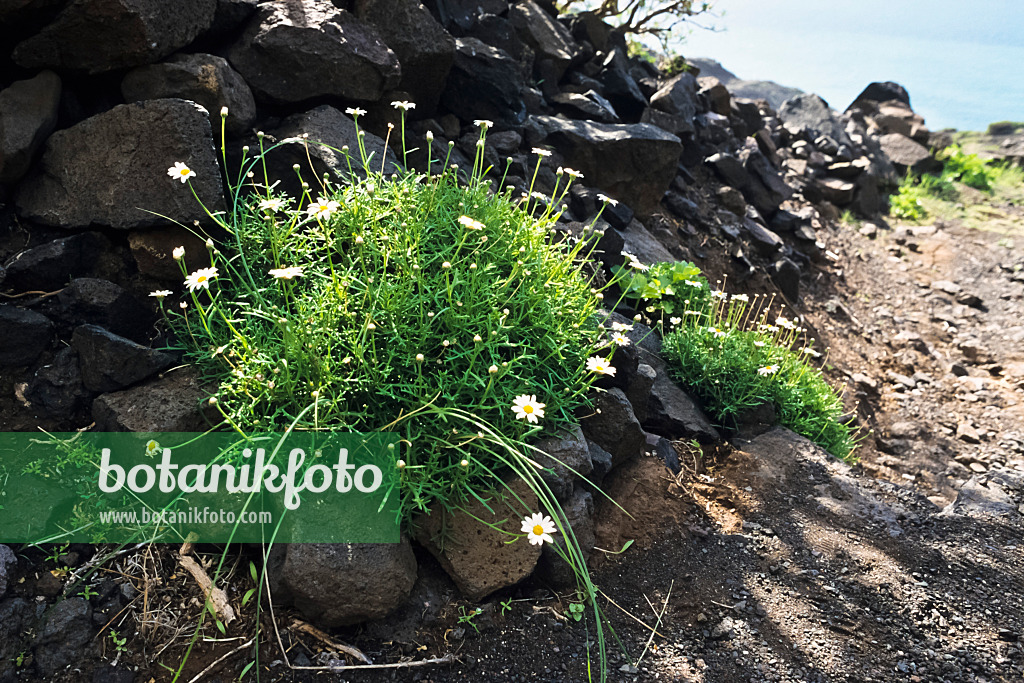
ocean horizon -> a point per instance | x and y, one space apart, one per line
962 70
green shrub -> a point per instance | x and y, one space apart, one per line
415 303
969 169
396 302
727 353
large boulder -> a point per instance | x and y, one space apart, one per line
472 543
549 40
905 154
299 50
678 97
882 92
111 169
424 49
101 35
205 79
57 389
808 116
485 83
28 113
339 584
632 162
24 334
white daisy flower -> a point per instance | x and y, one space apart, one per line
178 253
607 200
180 171
403 105
600 366
693 283
808 350
470 223
322 207
741 297
620 340
355 111
483 123
718 294
526 407
538 529
675 320
152 447
621 327
161 293
717 332
759 344
273 204
768 370
540 151
286 273
200 279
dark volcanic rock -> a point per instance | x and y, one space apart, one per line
339 584
550 40
111 169
485 83
111 362
57 389
678 97
7 559
672 413
567 456
175 403
28 113
632 162
68 631
24 334
295 51
906 154
49 266
614 427
100 302
809 116
101 35
424 49
205 79
882 92
786 275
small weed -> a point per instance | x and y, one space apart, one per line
88 593
575 610
468 617
506 606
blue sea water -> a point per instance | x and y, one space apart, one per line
963 64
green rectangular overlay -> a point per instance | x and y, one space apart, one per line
217 487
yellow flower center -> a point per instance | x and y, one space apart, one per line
201 279
183 171
538 530
527 409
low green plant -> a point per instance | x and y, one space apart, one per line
969 169
728 353
419 303
576 610
467 617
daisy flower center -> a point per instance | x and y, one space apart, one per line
538 530
527 409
